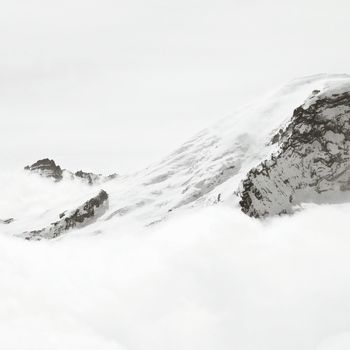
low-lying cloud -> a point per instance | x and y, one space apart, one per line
208 279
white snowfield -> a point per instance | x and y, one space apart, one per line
173 263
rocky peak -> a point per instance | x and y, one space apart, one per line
47 168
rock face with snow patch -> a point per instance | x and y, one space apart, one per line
47 168
312 161
81 216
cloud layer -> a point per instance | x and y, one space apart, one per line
211 278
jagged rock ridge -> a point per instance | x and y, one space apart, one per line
313 158
48 168
81 216
92 178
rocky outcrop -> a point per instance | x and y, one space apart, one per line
312 161
7 221
48 168
92 178
79 217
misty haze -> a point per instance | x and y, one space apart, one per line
174 175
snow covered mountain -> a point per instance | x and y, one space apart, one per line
288 148
173 257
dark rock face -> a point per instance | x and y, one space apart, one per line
313 159
86 214
47 168
89 177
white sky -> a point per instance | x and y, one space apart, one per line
110 85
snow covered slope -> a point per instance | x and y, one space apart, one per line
206 170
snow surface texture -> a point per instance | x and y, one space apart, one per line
207 276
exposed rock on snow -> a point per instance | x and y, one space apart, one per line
7 221
312 160
48 168
81 216
92 178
